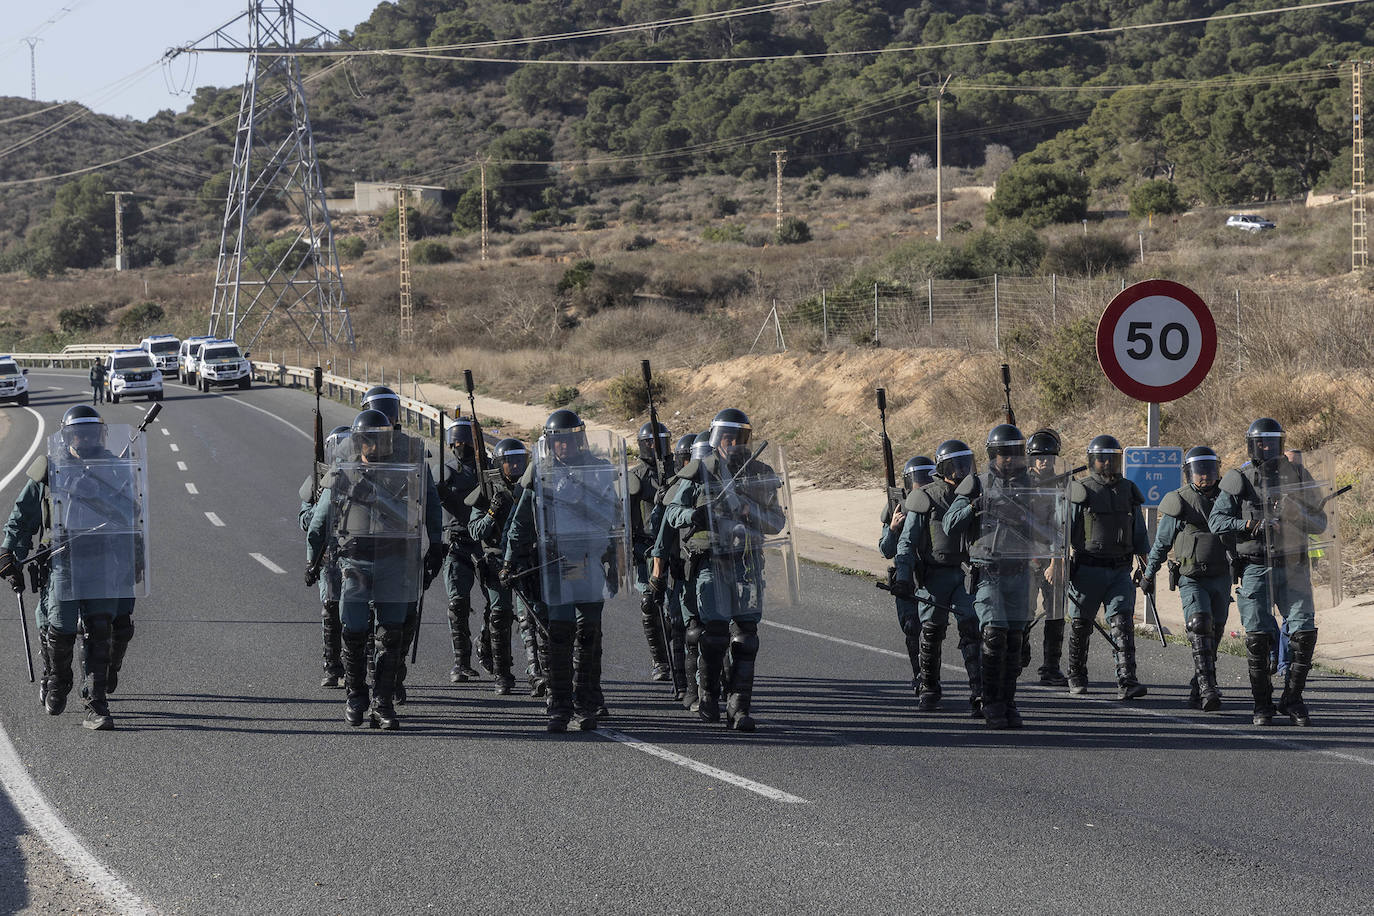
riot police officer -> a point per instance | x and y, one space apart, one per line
1042 448
1107 531
668 582
463 554
916 473
645 481
1201 568
995 514
727 503
929 567
88 581
367 512
330 629
1270 509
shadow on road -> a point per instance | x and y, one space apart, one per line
14 894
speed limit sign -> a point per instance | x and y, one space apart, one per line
1156 341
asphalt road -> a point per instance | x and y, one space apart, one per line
232 784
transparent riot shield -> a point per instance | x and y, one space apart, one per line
378 514
1023 531
1302 533
99 518
582 517
748 501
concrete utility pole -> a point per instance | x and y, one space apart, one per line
33 67
403 230
940 162
780 158
119 225
1359 235
484 209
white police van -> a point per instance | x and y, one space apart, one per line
163 349
187 356
132 373
14 384
220 364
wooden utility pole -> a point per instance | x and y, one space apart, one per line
940 162
119 226
779 158
484 209
1359 235
403 230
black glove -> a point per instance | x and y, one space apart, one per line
312 575
500 502
657 586
1147 584
40 571
648 603
363 492
701 518
11 570
434 561
901 588
506 576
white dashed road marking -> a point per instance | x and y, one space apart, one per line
174 447
166 431
214 519
273 567
705 769
191 488
181 465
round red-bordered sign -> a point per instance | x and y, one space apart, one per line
1156 341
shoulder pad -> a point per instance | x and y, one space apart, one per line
691 470
1078 493
473 498
1233 482
307 490
1137 498
39 469
1172 504
527 478
969 486
918 501
636 484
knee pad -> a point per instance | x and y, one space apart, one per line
123 628
460 607
329 610
1199 625
694 632
745 644
932 630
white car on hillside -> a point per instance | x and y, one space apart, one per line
1249 222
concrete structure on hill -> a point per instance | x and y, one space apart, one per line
376 196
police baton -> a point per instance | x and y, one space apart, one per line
24 625
917 599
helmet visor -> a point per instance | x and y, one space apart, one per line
373 442
460 433
1105 461
387 403
918 475
84 436
1203 471
1264 446
956 465
513 463
727 435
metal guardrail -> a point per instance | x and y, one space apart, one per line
415 414
71 355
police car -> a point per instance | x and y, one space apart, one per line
130 373
220 364
14 386
187 356
163 349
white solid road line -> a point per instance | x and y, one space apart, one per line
181 465
734 779
214 519
268 563
174 447
1113 704
24 794
191 488
241 403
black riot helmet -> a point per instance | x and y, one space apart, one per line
648 449
336 438
917 472
1006 449
1043 441
380 397
1105 456
953 460
701 446
565 434
372 432
1202 467
1264 440
512 457
730 426
682 449
461 437
83 431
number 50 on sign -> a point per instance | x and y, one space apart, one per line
1156 341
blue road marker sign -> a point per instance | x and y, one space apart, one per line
1157 471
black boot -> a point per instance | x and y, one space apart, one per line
744 650
1053 648
354 659
1194 694
1261 687
652 622
971 651
459 610
677 657
691 698
534 665
714 641
1011 670
1080 634
95 656
911 635
62 647
995 660
1300 647
45 653
558 668
121 634
932 637
1218 632
1127 686
332 632
586 675
410 631
501 660
1204 684
391 647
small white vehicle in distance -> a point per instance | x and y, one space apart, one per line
130 373
186 359
1249 222
163 349
220 365
14 383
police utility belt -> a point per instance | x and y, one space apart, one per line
1096 562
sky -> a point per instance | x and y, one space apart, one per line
105 54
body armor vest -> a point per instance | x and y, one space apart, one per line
1108 516
1199 552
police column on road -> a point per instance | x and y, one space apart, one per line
330 629
462 554
646 479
